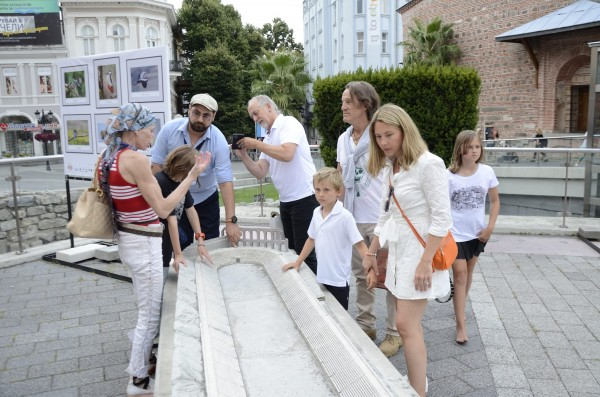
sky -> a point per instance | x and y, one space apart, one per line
259 12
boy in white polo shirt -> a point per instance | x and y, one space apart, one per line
332 233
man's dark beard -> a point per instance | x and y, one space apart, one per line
201 128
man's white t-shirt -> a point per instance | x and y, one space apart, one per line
334 237
467 201
294 179
367 190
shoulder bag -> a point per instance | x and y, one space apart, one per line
93 216
448 251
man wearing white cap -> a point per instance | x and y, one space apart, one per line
198 131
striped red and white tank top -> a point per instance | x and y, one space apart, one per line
128 203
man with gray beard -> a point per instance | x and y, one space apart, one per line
285 154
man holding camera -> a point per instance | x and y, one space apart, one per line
198 131
286 154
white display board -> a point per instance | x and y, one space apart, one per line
90 88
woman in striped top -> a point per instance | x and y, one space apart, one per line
137 203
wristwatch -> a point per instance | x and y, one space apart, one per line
233 219
198 235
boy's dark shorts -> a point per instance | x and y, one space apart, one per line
469 249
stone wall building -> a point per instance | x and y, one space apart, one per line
538 75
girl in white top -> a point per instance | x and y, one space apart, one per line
418 180
469 184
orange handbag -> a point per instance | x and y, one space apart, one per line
448 251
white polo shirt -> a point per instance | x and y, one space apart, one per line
293 179
334 237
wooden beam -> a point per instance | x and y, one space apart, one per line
536 64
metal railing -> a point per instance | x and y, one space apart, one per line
37 174
504 151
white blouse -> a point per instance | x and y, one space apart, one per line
422 191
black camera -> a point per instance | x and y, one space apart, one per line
234 140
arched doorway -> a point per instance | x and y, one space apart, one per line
572 95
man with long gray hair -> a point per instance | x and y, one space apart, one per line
362 198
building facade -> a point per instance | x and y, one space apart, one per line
343 35
538 79
90 27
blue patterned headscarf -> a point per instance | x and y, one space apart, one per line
129 117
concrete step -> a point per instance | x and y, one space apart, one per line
246 179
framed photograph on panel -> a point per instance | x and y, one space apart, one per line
106 74
160 121
100 124
144 77
75 82
77 133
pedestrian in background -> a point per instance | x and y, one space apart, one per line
540 142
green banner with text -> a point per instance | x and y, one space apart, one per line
30 22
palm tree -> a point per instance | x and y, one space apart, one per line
281 76
431 44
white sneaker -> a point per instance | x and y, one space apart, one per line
142 387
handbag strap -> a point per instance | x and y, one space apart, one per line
95 182
405 217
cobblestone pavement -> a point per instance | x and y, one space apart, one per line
533 319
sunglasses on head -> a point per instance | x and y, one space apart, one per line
387 202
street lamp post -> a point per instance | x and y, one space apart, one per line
46 135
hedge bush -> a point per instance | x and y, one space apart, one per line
442 101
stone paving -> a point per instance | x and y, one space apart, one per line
533 318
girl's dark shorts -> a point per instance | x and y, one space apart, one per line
469 249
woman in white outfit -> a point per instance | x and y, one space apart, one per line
419 182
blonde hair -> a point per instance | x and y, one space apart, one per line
179 162
329 175
413 145
464 139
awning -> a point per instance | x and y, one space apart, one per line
582 14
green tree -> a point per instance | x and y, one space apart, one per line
431 44
218 46
278 36
220 71
281 76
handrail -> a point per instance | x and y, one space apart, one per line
11 175
533 139
33 160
